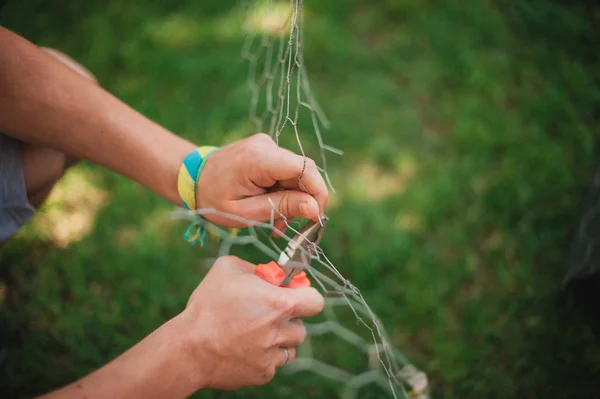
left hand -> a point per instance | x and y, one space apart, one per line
239 179
235 335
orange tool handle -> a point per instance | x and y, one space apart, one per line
274 274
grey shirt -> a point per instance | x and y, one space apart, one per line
15 209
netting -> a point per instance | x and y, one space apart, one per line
280 90
277 75
380 363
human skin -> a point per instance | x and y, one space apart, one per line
47 104
230 336
233 330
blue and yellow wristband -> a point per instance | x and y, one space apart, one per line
187 182
189 173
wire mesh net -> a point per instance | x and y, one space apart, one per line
277 75
347 317
279 91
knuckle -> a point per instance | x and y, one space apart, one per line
284 304
301 332
266 373
269 375
319 300
271 371
292 355
250 152
262 137
260 140
310 163
284 204
309 166
273 340
226 260
226 263
247 159
241 155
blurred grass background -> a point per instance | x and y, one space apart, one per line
468 130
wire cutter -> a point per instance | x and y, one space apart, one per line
288 271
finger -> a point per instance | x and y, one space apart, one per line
284 166
276 187
301 302
291 333
281 359
289 203
279 227
292 184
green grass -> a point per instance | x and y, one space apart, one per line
468 133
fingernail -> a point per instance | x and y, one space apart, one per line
304 208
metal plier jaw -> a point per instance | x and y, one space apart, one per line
289 270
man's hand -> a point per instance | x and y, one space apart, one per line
231 335
240 178
75 116
239 325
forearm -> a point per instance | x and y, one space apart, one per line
157 367
44 102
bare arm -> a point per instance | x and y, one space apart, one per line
44 102
157 367
223 340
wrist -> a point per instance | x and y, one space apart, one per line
159 366
187 187
192 351
174 359
189 173
171 161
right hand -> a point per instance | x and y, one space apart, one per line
239 325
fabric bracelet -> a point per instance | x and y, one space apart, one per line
187 183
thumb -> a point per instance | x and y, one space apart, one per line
290 203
